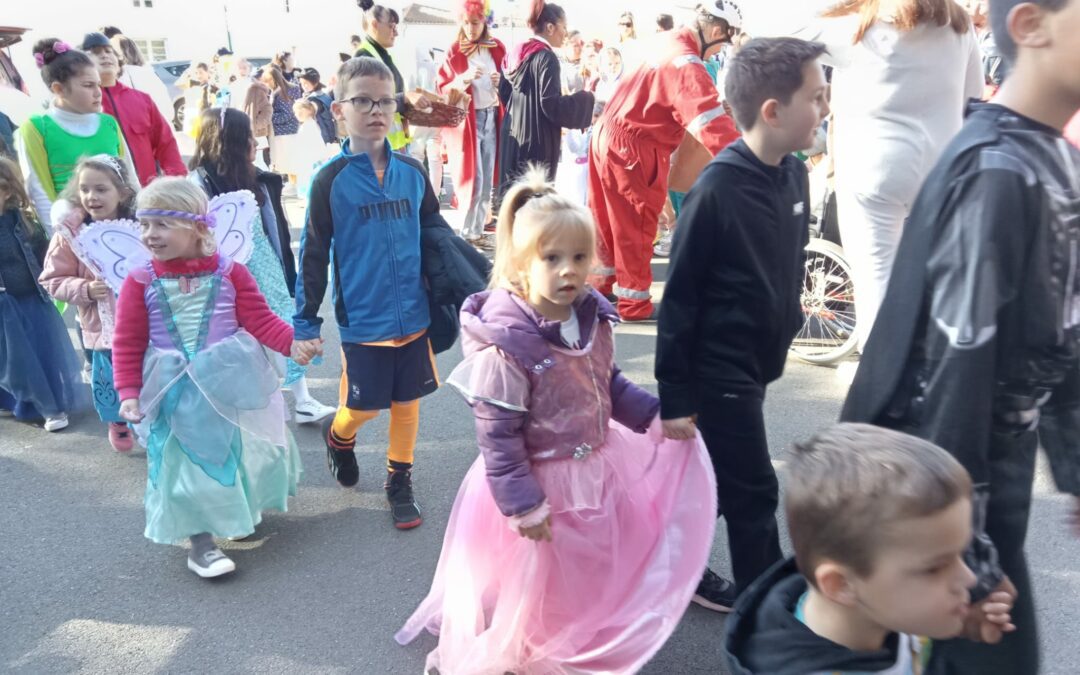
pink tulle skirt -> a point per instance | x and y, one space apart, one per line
632 526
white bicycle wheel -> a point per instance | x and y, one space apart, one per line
828 302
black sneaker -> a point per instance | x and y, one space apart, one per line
340 457
715 593
403 507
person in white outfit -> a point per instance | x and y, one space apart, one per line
901 79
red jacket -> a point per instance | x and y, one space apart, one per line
148 135
460 141
668 95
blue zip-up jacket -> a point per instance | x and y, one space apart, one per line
370 235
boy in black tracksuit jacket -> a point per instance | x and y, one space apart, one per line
731 304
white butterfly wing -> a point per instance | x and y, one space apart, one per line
234 213
114 248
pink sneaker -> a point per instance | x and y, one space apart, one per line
120 437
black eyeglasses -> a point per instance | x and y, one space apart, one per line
368 105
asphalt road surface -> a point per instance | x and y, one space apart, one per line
323 588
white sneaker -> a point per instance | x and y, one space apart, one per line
56 423
662 249
211 563
311 411
845 372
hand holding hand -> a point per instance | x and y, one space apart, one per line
541 532
680 428
303 351
990 619
129 410
98 290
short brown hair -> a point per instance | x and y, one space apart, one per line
359 66
848 483
764 69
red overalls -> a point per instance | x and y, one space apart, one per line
629 158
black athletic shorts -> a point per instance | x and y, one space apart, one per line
377 376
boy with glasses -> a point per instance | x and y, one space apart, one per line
363 219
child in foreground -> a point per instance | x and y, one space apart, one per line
879 521
192 374
577 537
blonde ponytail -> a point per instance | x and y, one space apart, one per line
531 214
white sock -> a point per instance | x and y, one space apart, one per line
300 390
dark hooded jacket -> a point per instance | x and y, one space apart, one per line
731 305
453 270
763 637
536 111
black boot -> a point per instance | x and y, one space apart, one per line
403 507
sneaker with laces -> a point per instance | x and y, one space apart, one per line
56 423
715 593
403 507
310 411
120 437
210 563
662 249
340 457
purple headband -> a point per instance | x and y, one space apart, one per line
58 47
207 220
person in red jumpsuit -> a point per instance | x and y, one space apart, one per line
669 95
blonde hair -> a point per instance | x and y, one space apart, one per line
118 175
173 193
305 105
533 214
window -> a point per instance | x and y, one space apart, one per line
143 3
153 50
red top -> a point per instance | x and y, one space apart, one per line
460 141
133 324
149 137
670 94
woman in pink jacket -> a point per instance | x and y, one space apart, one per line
100 189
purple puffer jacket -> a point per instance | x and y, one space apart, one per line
536 400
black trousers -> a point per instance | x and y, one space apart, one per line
1012 474
733 427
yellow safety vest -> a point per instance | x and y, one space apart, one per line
399 129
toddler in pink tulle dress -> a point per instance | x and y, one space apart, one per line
579 534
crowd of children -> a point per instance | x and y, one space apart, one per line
583 529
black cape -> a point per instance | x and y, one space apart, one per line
536 114
975 347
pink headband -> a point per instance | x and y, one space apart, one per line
58 47
207 219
